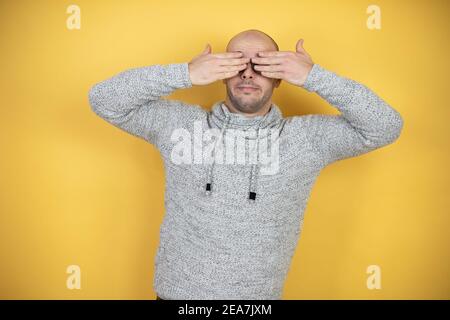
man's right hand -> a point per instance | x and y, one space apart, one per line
207 68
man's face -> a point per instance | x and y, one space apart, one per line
250 100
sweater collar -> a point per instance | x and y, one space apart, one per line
221 116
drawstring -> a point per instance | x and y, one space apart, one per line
252 193
209 178
254 168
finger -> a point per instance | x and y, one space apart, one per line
274 60
274 53
275 75
271 68
206 50
299 46
232 68
226 75
227 55
233 62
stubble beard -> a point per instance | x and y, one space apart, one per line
248 104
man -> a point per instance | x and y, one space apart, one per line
231 228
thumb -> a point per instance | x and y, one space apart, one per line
299 46
207 49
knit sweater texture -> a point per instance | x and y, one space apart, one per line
230 229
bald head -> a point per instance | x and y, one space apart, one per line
252 38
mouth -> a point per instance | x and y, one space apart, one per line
247 88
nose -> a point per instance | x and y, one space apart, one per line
249 72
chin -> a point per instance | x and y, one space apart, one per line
248 109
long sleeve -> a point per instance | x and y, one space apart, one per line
366 122
131 100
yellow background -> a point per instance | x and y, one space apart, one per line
76 190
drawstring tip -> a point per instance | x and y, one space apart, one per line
251 195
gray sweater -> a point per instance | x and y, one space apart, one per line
230 230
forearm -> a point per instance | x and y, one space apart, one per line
117 96
131 100
375 120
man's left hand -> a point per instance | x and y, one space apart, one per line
292 67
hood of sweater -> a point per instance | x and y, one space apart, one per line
222 118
